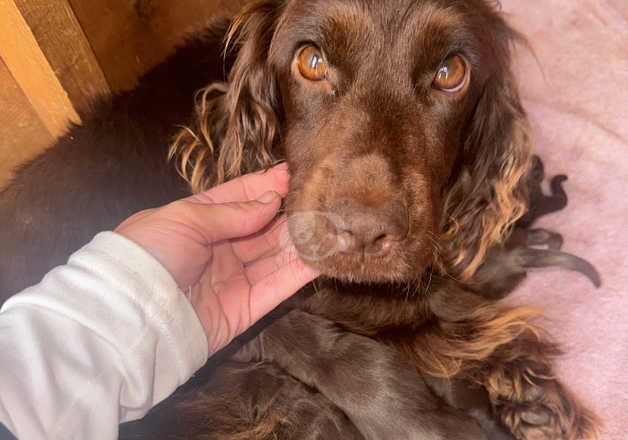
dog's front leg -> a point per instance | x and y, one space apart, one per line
376 387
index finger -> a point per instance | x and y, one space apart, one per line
248 187
276 287
267 241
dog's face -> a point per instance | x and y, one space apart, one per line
375 96
398 119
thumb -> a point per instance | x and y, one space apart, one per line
225 221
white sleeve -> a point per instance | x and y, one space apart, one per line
99 341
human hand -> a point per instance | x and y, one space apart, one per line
223 248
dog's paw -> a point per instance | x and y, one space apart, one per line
546 411
530 418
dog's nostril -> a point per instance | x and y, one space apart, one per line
347 242
382 245
381 238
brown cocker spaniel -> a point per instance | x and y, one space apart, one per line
407 143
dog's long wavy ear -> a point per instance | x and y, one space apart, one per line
235 125
489 194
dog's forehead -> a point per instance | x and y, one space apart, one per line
353 27
366 17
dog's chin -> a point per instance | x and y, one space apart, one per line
362 274
368 269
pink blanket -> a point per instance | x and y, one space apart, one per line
577 99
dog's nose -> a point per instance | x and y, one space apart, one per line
370 230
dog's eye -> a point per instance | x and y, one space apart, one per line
452 75
312 64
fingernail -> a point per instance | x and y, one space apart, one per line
268 197
282 165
